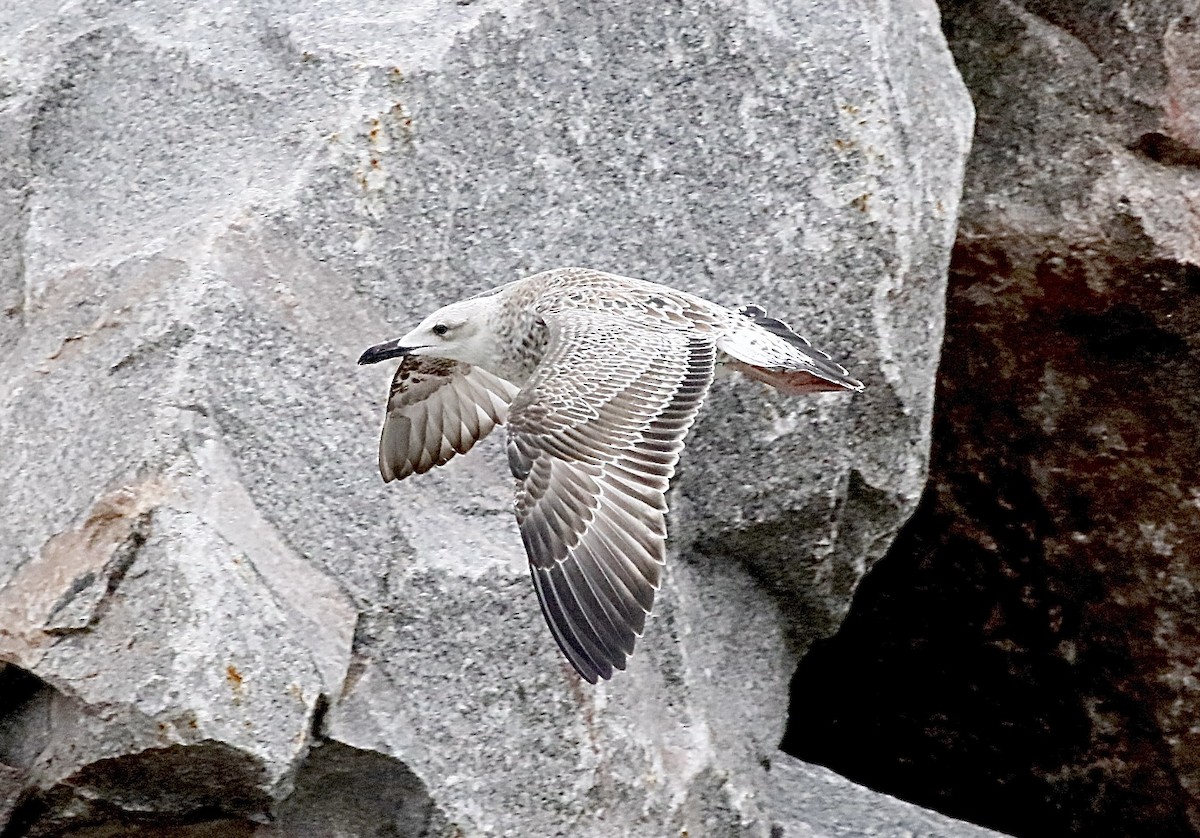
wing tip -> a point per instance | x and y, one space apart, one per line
588 657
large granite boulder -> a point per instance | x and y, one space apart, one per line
216 618
1044 602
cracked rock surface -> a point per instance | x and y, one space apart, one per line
215 618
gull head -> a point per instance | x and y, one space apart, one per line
458 332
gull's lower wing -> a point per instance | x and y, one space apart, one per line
436 409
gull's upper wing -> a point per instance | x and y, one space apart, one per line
438 408
593 440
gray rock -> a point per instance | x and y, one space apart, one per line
812 802
211 208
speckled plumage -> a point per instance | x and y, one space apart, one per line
599 378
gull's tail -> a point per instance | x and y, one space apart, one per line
768 350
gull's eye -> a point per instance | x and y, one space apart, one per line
440 329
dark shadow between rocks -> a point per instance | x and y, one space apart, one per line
204 790
946 686
25 702
345 790
24 716
180 790
1005 663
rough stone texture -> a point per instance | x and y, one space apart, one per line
222 619
1038 626
813 802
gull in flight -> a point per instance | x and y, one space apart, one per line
598 378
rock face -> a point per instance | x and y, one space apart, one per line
216 618
1042 608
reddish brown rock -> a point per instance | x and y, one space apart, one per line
1028 656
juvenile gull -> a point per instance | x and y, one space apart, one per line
599 378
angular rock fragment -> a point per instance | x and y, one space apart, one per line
211 204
